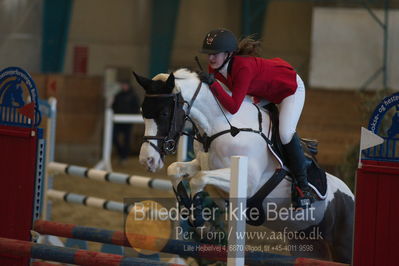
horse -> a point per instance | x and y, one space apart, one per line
171 99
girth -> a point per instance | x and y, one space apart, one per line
256 201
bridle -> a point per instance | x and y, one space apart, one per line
168 144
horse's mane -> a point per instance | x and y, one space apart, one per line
180 74
185 73
189 74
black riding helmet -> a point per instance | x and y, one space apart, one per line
218 41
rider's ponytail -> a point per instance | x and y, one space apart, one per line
249 47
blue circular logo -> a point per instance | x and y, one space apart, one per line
385 123
18 98
389 105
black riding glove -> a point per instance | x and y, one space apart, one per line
206 77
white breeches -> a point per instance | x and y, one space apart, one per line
290 111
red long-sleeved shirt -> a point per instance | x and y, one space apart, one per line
270 79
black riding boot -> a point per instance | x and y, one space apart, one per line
296 161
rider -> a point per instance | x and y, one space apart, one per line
238 66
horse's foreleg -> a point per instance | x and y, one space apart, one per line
180 170
208 192
219 178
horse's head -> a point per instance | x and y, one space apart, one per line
13 94
18 95
164 118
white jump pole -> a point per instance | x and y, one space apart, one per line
88 201
109 119
128 119
104 176
238 195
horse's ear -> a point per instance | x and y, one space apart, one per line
143 81
170 83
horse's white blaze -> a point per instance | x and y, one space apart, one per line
149 157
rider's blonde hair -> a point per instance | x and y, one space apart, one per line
248 46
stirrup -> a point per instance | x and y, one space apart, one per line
301 199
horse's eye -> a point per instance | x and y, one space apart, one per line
164 114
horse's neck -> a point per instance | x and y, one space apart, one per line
205 112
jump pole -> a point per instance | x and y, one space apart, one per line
179 247
95 202
85 200
100 175
100 235
172 246
19 248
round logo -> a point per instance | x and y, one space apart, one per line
385 119
384 122
18 98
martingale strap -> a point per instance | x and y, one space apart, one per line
207 140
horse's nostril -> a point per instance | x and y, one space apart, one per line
150 160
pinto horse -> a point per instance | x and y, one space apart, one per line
172 99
